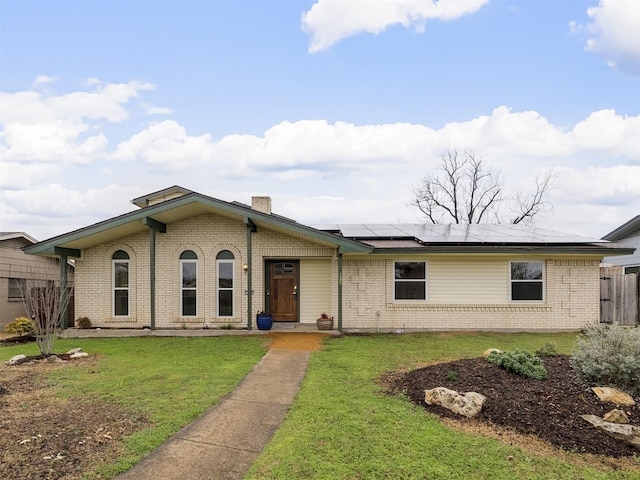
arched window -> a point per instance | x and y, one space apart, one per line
188 284
120 282
225 283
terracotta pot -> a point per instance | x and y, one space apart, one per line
324 323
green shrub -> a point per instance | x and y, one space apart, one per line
520 362
452 376
83 322
609 355
547 350
20 326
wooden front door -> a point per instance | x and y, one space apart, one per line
282 293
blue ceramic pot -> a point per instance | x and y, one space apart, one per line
264 321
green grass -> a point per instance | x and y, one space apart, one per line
342 426
169 381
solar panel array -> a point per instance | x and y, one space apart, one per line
456 233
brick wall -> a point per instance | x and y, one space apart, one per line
571 300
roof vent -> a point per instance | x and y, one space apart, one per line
261 204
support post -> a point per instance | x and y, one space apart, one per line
251 227
152 276
63 291
162 228
339 291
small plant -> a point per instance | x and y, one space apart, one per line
520 362
227 326
324 315
547 350
609 355
20 326
451 376
83 322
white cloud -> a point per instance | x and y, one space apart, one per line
159 111
502 138
614 33
40 127
329 21
43 79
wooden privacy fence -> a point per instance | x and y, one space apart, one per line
619 298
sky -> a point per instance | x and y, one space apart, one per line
335 108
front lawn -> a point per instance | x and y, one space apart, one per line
165 381
343 426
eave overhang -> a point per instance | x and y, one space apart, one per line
579 249
623 230
188 205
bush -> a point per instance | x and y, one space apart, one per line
520 362
547 350
83 322
20 326
609 355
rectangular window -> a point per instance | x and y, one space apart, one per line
635 269
410 281
120 288
225 288
188 282
17 288
527 281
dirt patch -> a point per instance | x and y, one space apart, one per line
521 410
297 341
44 436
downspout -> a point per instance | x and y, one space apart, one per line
339 291
251 227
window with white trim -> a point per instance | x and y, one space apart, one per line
633 269
188 284
410 281
120 279
225 283
527 281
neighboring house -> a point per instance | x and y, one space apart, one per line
628 235
15 269
188 260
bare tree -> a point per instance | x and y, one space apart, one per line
464 190
46 304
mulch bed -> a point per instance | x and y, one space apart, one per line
549 409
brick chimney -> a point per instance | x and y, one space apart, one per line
261 204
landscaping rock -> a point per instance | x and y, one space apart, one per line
79 355
616 416
627 433
611 395
16 359
74 350
468 404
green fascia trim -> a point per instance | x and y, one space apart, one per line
550 249
47 247
67 252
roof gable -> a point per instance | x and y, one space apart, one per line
184 206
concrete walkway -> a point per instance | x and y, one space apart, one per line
223 443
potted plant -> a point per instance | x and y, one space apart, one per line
264 320
324 322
